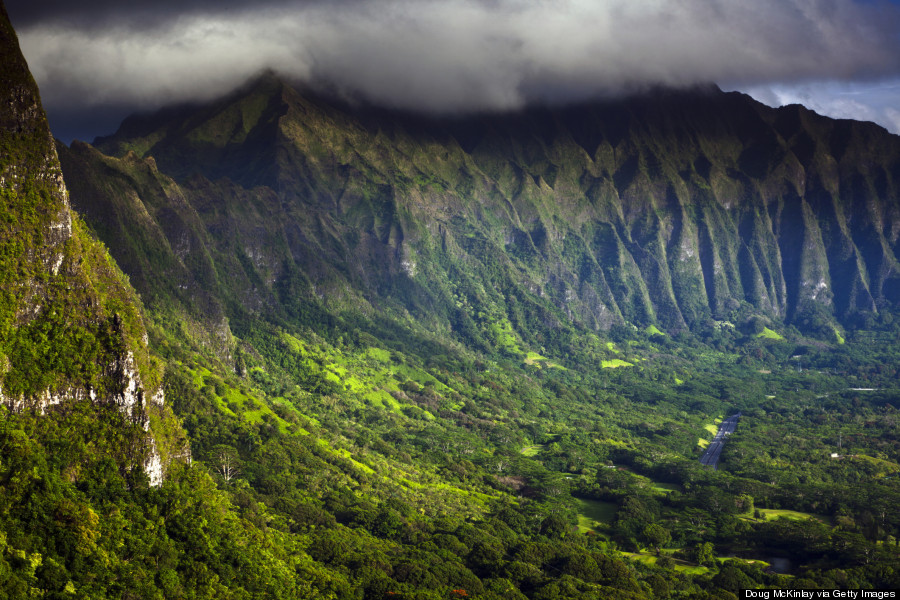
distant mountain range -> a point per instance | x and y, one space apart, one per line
673 209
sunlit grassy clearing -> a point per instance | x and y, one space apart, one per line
532 450
769 334
536 360
680 565
614 363
770 514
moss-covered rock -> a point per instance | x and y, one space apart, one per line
71 327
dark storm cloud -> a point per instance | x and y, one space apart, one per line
140 14
449 55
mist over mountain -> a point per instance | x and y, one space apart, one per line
672 208
97 58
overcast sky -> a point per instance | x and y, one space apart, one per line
98 60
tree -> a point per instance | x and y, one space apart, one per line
656 535
226 462
705 554
554 526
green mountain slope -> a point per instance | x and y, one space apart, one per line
430 359
674 208
77 518
97 498
71 328
480 357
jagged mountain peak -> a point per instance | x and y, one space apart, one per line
71 328
673 207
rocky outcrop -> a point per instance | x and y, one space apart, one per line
70 324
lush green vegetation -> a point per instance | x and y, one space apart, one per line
398 393
66 310
495 476
416 368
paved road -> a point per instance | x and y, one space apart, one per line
710 458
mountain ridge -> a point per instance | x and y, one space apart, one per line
675 208
409 364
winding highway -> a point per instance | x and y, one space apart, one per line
710 458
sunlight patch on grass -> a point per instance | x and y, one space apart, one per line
837 336
536 360
770 514
346 454
680 565
379 354
293 343
769 334
420 377
614 363
533 357
532 450
382 399
502 331
885 467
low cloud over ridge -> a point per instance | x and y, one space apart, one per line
455 55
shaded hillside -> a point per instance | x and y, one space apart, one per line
675 208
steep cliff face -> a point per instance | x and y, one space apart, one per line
675 208
159 238
70 323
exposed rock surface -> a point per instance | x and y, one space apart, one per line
70 324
